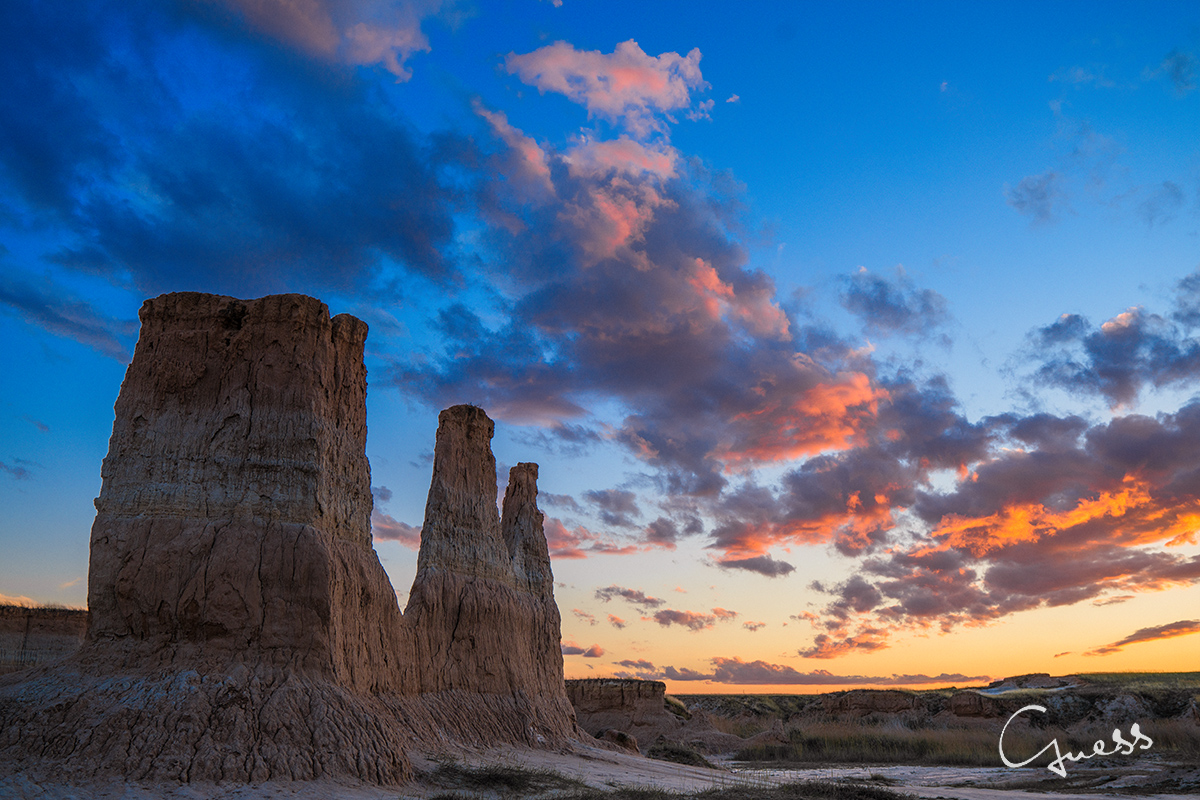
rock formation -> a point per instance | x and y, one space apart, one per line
482 607
640 709
241 626
34 635
633 706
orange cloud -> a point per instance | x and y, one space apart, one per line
1131 514
831 415
755 309
824 646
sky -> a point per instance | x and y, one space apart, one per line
857 342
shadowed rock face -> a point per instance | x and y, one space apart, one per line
241 626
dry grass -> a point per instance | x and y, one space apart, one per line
865 743
805 790
1145 680
1175 739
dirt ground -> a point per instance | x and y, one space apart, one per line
606 769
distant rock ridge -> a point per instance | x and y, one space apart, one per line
241 625
32 635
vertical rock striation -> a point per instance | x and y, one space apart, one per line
235 507
241 626
482 607
240 622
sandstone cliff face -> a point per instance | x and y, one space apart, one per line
241 626
235 506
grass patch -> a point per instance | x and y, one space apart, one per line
503 780
1144 680
855 743
676 707
1174 738
678 754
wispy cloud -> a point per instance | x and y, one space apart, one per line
693 620
572 649
635 596
51 307
1180 67
1151 634
762 673
1039 197
584 616
16 470
355 33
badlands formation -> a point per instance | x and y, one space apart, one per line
241 627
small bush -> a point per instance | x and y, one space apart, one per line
678 754
503 779
676 707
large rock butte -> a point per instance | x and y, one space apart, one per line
241 625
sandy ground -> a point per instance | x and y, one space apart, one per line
596 767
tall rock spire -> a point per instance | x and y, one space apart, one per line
461 532
524 537
482 605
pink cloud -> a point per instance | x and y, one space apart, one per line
570 648
591 158
353 33
584 616
579 542
626 85
386 528
531 165
825 646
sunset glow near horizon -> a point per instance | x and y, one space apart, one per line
857 343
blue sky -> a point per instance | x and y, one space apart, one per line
855 341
